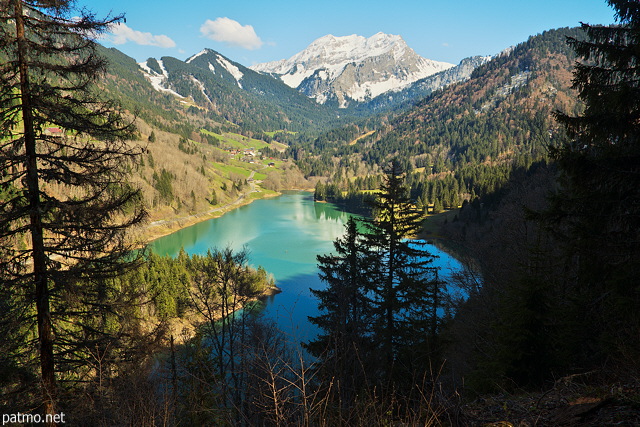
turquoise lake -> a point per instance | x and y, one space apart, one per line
284 235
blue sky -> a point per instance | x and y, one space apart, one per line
252 31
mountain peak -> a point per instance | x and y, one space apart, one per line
353 48
354 67
204 51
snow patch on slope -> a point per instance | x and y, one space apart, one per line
158 81
201 87
232 69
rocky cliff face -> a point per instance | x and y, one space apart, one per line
460 72
352 68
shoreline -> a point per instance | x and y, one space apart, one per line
182 329
156 229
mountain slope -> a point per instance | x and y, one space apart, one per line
352 68
504 110
420 89
240 95
473 133
195 162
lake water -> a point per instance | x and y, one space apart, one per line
282 234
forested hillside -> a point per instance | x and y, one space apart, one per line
195 160
464 141
557 244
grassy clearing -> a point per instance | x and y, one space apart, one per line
263 193
227 170
237 141
259 176
276 163
244 169
275 132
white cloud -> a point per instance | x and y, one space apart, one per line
121 34
232 33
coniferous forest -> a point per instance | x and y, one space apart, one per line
528 172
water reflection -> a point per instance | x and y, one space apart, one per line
324 211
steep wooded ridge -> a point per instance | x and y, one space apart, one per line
501 114
493 115
501 104
471 134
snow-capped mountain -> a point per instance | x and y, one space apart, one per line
162 80
220 61
352 68
232 91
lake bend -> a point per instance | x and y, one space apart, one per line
284 235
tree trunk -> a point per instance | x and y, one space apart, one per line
45 332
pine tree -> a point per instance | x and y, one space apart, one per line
597 209
404 281
344 344
62 153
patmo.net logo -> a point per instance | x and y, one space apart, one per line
32 418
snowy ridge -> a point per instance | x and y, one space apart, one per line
352 67
220 60
191 58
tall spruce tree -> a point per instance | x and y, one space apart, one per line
65 204
598 205
405 287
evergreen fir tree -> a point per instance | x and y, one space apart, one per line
62 152
598 205
344 344
404 281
